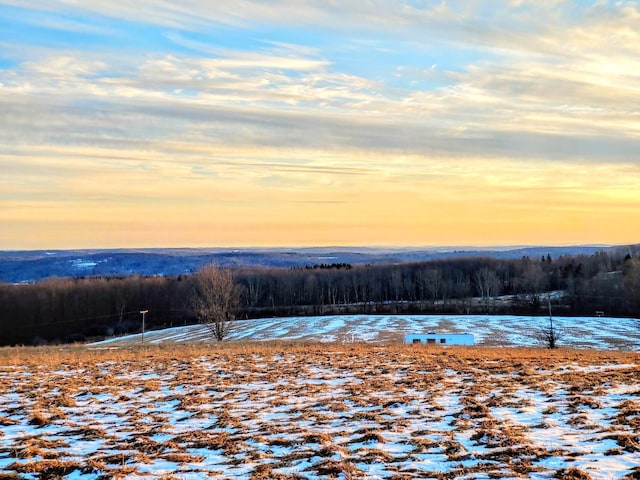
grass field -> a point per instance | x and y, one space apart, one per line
278 410
488 330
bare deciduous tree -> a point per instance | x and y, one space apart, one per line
216 299
533 281
488 284
551 334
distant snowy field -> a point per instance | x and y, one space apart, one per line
502 330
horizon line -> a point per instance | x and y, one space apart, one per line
499 247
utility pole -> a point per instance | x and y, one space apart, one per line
143 312
552 332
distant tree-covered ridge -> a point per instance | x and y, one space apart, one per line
66 309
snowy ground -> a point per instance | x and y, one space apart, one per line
320 411
503 330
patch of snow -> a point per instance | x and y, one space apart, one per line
503 330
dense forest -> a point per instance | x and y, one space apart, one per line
65 309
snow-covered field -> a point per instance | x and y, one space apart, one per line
503 330
318 411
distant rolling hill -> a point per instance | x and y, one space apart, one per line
31 266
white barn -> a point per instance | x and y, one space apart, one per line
432 338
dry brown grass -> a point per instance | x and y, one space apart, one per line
47 468
80 357
572 474
335 408
628 442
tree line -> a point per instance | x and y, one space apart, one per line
65 309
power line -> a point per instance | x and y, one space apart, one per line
99 317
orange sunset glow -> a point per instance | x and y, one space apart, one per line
305 124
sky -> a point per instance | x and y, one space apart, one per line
294 123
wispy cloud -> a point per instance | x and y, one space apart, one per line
298 103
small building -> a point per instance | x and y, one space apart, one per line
433 338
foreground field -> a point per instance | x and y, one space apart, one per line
288 411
